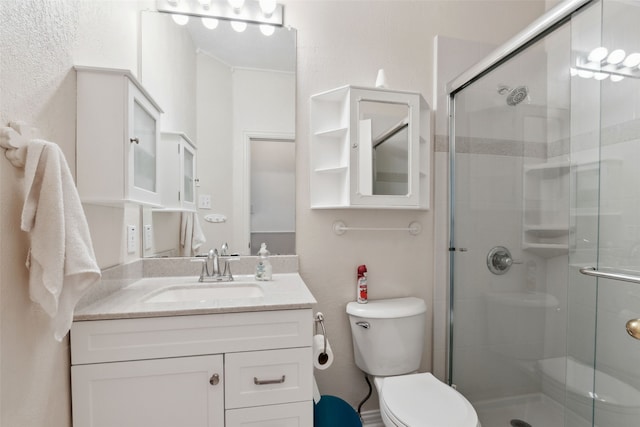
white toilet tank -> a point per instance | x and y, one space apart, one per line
388 335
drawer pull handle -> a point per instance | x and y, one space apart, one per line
215 379
263 382
136 140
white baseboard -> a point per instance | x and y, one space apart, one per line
371 419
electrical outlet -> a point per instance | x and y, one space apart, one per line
204 201
148 236
132 239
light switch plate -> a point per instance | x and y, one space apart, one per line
132 239
204 201
148 236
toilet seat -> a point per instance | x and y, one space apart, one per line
423 400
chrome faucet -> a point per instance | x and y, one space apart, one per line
215 275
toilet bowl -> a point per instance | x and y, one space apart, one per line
422 400
388 340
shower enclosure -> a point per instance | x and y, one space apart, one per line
545 223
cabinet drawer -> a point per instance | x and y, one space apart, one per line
268 377
97 341
299 414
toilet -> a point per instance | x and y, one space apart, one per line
388 339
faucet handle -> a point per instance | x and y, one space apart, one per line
204 267
224 249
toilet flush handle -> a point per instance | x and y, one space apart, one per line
365 325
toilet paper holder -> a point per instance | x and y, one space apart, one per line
319 319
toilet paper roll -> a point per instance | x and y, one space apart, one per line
322 358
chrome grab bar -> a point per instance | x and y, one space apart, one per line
592 271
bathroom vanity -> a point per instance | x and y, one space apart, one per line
172 351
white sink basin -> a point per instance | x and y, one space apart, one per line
205 292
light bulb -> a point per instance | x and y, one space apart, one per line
633 60
180 19
210 23
268 6
600 76
206 4
598 54
585 74
267 30
616 78
616 57
239 26
236 4
573 72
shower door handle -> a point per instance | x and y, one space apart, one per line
592 271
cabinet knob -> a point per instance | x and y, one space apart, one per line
215 379
136 140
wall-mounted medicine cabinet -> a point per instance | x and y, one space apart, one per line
118 128
370 148
177 154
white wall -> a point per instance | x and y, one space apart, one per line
396 36
338 43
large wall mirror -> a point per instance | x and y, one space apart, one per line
233 94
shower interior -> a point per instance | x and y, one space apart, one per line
545 164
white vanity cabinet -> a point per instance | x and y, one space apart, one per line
177 154
214 370
370 148
117 136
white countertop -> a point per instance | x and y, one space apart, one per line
286 291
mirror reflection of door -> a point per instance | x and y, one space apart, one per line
272 195
383 161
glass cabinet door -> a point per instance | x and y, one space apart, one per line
144 148
188 174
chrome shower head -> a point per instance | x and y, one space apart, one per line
517 95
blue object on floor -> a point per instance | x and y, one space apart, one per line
331 411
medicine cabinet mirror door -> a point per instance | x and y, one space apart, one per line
142 158
387 150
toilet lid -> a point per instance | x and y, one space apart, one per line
423 400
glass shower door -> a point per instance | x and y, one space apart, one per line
606 157
511 187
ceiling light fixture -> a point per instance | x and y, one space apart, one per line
256 12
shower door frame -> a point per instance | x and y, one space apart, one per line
537 30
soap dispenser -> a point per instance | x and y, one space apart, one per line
263 268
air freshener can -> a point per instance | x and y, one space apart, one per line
362 284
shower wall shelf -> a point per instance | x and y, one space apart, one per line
545 228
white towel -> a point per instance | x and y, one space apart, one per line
191 235
61 261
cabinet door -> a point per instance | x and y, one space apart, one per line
144 133
178 392
188 176
298 414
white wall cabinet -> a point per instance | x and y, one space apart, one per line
177 154
118 131
370 148
230 369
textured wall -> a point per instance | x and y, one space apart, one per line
40 42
